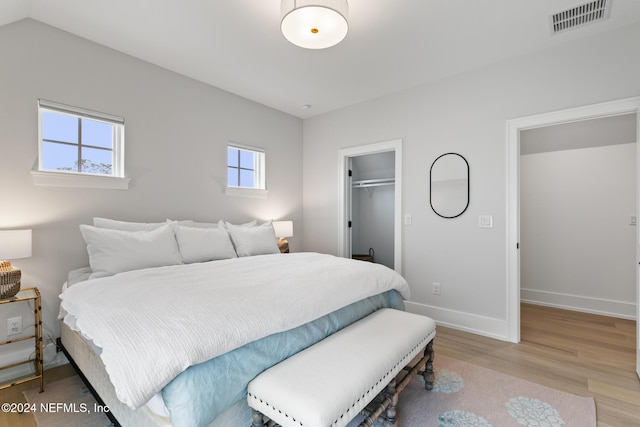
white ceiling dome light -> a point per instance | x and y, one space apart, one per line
314 24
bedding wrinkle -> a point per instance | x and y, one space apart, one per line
222 382
189 313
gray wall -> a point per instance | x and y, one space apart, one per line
578 248
176 135
466 114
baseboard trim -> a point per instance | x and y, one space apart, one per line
479 325
51 359
603 307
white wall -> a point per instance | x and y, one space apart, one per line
176 135
578 248
466 114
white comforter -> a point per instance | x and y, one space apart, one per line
152 324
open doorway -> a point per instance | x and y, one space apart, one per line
378 169
577 215
514 129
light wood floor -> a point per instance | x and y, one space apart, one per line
14 395
578 353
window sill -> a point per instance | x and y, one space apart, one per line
61 179
246 192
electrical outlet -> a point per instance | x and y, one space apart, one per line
436 288
14 325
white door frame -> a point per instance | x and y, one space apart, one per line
613 108
344 241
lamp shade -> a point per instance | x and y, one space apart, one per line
314 24
283 228
15 244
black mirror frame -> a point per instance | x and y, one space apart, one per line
431 187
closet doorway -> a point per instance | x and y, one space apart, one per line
370 203
372 207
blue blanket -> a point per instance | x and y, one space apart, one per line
199 394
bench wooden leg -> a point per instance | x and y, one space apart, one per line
428 369
258 419
388 399
384 411
392 394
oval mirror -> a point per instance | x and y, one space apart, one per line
449 185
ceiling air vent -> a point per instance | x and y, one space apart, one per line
580 16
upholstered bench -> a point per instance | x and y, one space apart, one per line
331 382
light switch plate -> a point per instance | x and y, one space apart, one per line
485 221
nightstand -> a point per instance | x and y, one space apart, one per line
28 294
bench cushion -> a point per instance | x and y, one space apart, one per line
329 383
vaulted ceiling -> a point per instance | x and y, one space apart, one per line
392 45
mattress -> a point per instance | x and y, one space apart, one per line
93 369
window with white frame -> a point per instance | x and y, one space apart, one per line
74 140
245 168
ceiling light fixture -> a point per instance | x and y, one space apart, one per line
314 24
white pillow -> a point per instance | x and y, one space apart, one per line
226 224
115 251
125 225
203 244
250 241
206 224
191 223
184 222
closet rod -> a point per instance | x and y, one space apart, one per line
373 182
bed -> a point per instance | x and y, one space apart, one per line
172 320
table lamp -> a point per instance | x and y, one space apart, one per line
283 229
14 244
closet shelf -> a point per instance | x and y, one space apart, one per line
365 183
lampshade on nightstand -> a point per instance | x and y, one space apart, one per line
14 244
283 229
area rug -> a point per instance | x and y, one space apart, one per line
466 395
66 403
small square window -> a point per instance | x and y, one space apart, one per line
79 141
245 168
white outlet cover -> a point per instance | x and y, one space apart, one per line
436 288
14 325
